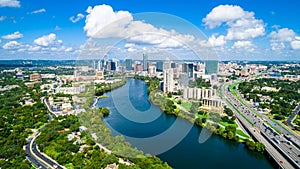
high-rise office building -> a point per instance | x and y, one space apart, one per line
159 66
168 80
173 65
99 65
183 80
145 61
166 65
211 67
128 64
188 68
113 65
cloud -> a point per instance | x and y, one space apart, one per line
242 25
11 45
282 35
2 18
217 41
242 44
214 41
277 45
103 22
34 48
245 29
281 38
10 3
38 11
295 44
69 49
101 16
57 28
225 13
15 35
47 40
76 19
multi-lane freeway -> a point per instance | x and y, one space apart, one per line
281 149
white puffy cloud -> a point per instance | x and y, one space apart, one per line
10 3
2 18
34 48
129 45
38 11
47 40
102 16
277 45
245 29
225 13
69 49
217 41
283 35
295 44
213 41
103 22
242 44
77 18
12 45
242 24
15 35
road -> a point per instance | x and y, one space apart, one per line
284 154
285 130
32 152
294 114
36 157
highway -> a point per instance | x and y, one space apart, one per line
34 155
294 114
285 154
284 130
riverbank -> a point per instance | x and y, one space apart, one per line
210 121
117 144
184 151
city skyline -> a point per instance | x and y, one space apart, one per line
233 30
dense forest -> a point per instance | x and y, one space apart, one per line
17 121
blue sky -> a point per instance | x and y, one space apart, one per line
233 29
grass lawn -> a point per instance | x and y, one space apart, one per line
232 88
241 133
226 123
201 116
186 105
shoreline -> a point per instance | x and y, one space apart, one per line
187 116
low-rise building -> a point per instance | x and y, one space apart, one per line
35 77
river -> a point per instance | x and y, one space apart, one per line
146 127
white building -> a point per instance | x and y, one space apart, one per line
152 70
198 93
168 80
71 90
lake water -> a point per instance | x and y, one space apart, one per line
172 139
